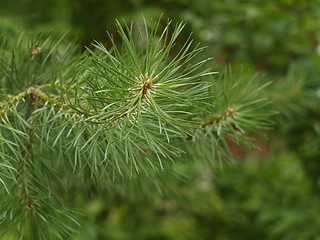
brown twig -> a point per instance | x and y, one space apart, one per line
228 112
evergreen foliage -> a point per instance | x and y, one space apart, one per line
126 117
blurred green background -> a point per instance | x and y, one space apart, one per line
269 194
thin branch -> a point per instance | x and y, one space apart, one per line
228 112
34 92
25 173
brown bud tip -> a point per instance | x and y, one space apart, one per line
35 49
230 111
189 138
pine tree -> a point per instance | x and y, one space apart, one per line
119 116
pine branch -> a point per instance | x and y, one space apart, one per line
237 108
26 165
294 94
30 210
140 97
33 93
125 112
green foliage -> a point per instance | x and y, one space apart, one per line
167 186
239 108
137 100
126 112
265 36
27 174
245 201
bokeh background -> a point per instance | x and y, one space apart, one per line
273 193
